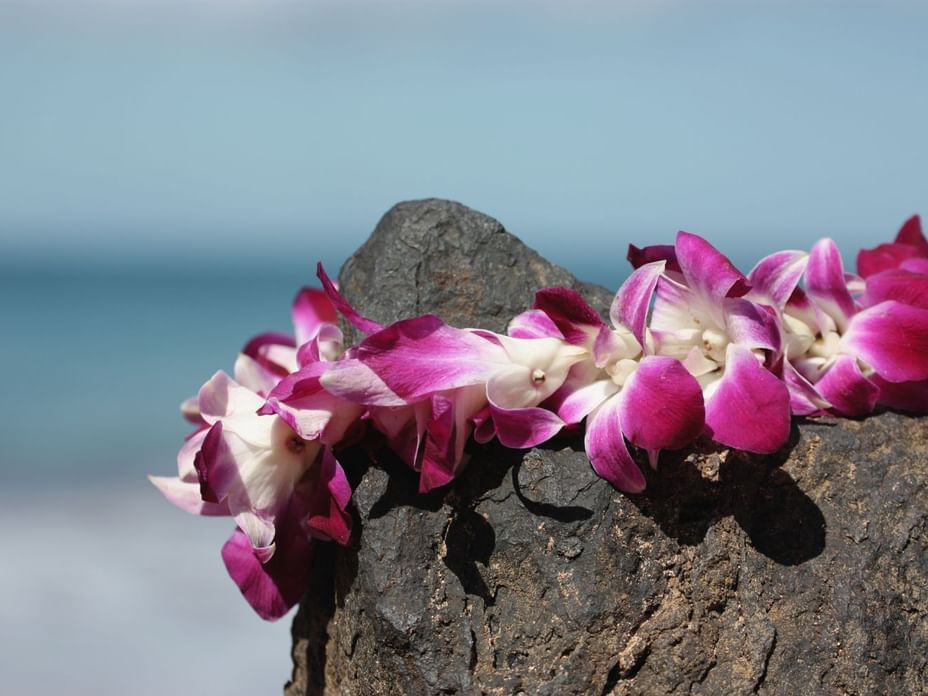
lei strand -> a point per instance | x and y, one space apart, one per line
692 347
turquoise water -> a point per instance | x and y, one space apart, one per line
98 359
106 588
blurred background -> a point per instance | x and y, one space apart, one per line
170 172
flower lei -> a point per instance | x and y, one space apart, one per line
692 347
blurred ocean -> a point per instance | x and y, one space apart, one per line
106 588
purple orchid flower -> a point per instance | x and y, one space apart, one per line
727 342
623 390
256 469
860 353
426 384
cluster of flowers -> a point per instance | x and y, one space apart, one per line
693 348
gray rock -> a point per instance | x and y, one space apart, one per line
803 572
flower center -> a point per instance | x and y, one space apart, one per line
714 343
621 370
538 376
296 444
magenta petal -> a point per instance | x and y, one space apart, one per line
847 390
896 284
605 446
361 323
661 405
419 357
216 467
274 587
439 463
903 396
775 277
893 339
749 408
804 398
911 233
883 258
327 515
826 284
521 428
658 252
916 265
311 309
572 315
309 409
254 347
633 300
186 495
708 272
533 324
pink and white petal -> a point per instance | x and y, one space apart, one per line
419 357
847 390
697 364
896 284
752 325
661 405
605 446
309 409
270 588
749 408
352 380
633 300
775 277
649 254
903 396
533 323
677 307
708 272
361 323
911 233
254 375
258 346
549 361
260 532
311 309
573 316
883 258
892 338
190 410
826 285
222 397
186 470
576 405
326 345
804 398
521 428
186 496
217 466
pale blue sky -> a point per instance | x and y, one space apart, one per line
180 130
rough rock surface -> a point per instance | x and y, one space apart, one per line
805 572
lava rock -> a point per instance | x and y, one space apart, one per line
800 572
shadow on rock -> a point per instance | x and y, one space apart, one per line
561 513
692 491
470 540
